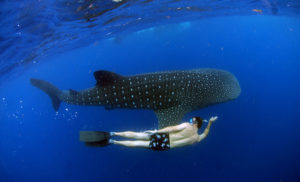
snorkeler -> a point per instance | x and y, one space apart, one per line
163 139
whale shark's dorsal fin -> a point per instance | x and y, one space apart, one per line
73 92
105 78
170 116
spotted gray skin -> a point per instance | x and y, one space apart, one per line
170 94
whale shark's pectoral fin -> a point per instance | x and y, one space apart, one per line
170 116
105 78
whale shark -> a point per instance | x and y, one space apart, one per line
170 94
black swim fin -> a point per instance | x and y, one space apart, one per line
95 138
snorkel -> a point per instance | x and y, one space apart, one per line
197 120
191 121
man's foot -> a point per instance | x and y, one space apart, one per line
112 134
111 141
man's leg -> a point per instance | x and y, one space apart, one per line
137 143
134 135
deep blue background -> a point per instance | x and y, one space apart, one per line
256 137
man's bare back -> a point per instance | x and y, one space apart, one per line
186 133
187 136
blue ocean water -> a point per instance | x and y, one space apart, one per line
256 137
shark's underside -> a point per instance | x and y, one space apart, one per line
170 94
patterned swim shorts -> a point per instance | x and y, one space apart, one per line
159 141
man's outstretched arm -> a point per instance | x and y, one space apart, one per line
206 131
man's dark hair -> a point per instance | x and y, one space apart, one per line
198 120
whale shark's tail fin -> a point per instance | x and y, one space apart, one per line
50 89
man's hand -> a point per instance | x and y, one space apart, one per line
206 131
213 119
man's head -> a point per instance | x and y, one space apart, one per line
197 120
